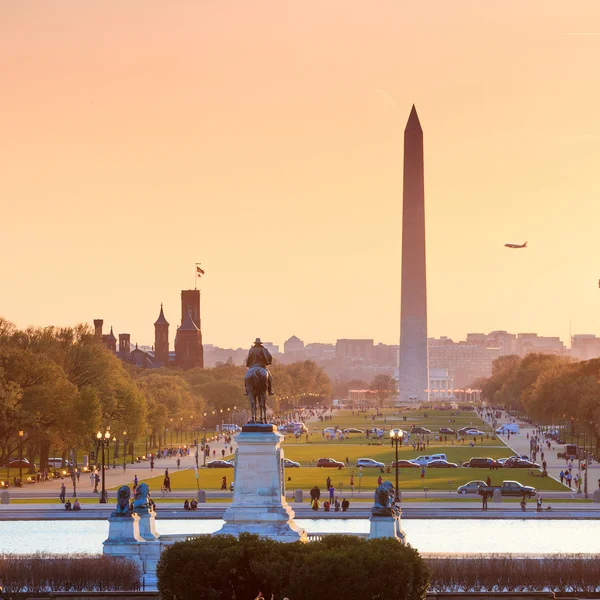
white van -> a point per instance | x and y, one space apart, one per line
508 428
425 460
231 427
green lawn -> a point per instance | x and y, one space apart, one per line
358 446
307 477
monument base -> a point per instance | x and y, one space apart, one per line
386 527
259 505
148 525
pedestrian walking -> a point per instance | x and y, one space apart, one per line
223 483
178 462
562 477
488 481
379 480
135 482
422 473
63 492
331 494
484 500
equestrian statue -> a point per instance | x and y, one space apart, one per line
258 381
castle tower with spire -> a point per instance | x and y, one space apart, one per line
413 379
161 339
188 341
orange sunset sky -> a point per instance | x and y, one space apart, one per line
264 140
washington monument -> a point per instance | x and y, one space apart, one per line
413 380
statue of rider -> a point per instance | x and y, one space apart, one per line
259 356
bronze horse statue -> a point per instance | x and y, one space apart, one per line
256 382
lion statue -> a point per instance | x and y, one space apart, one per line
384 500
141 501
123 496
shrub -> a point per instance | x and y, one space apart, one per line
505 573
225 567
39 573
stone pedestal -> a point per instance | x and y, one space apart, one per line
386 527
147 525
597 496
259 504
497 495
124 538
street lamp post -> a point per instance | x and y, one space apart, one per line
396 437
114 452
21 433
104 440
125 441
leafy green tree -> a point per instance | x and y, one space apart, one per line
383 387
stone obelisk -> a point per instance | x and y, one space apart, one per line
413 381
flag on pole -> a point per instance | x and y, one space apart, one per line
199 271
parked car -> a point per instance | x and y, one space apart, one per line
463 430
501 461
521 464
470 488
424 460
441 464
353 430
369 462
405 464
446 431
219 464
376 431
480 463
509 488
15 463
231 427
330 431
330 462
418 429
290 464
57 463
474 432
508 428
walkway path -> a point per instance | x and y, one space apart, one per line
519 443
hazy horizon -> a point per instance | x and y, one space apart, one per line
264 140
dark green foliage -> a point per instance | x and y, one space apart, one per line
348 567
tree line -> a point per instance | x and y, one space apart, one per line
60 385
550 390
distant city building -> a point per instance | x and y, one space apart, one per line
384 354
527 343
272 348
319 352
585 346
213 355
350 349
441 384
465 362
293 347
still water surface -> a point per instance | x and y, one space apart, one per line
428 535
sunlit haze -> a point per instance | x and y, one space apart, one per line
265 140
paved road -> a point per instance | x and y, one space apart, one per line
519 443
414 510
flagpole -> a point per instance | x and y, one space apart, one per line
195 278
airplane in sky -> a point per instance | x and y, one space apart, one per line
516 245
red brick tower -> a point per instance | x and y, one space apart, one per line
161 339
98 328
124 345
188 341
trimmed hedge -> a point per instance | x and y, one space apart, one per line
504 573
37 573
339 566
